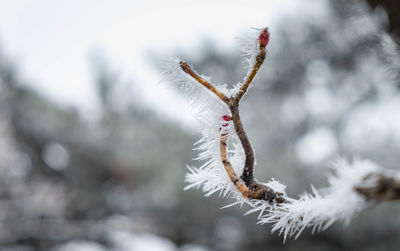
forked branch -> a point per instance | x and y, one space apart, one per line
246 185
291 216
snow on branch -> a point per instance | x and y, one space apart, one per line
230 172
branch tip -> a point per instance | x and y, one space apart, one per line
257 64
186 68
263 39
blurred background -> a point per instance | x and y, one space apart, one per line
93 144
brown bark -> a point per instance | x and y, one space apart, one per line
228 167
253 190
384 189
259 61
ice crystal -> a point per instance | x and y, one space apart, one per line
318 210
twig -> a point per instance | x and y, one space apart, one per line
259 61
186 68
255 190
248 170
228 167
247 174
263 40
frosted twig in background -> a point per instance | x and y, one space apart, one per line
353 188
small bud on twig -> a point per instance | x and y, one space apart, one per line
227 118
263 39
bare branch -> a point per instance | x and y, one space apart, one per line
228 167
186 68
259 61
248 169
251 188
254 190
263 40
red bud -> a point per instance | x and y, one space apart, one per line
263 39
227 118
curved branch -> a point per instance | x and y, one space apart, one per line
248 170
253 190
247 174
228 167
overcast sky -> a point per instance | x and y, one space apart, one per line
50 41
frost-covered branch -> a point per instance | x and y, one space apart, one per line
186 68
353 187
254 190
263 40
383 188
251 188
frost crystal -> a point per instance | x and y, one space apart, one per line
208 110
250 46
340 202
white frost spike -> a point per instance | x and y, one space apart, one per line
205 105
208 109
340 202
